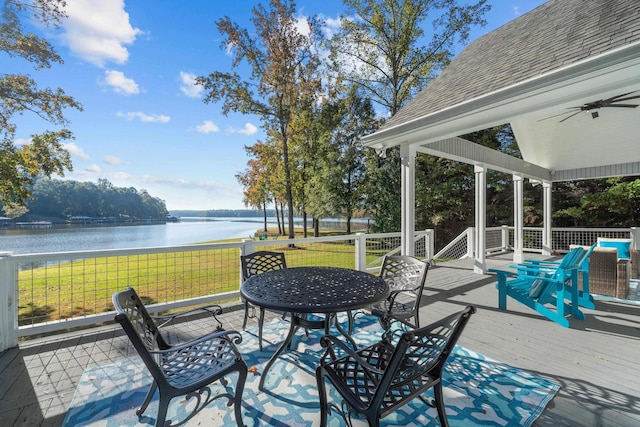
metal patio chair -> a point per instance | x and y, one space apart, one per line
188 368
258 263
406 277
378 379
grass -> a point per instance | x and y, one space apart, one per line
84 286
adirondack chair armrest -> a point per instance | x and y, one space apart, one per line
541 262
538 282
533 270
503 273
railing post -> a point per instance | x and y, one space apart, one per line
431 236
244 250
504 238
471 244
8 335
361 251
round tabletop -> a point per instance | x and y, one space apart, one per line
314 289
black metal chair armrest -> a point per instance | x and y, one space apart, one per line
329 342
213 310
231 337
221 344
391 299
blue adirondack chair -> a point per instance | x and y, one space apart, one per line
585 299
544 289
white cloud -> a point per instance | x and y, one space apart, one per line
207 127
119 83
331 27
146 118
93 168
248 129
302 25
113 160
99 31
229 48
75 151
22 141
189 86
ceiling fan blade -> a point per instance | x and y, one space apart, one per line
558 115
620 97
567 118
621 105
627 98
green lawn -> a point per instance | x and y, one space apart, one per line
84 287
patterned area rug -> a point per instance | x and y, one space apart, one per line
478 391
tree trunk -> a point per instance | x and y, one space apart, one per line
348 224
282 217
316 227
264 211
304 224
275 203
287 179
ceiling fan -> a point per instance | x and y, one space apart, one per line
593 107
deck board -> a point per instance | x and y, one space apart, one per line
595 361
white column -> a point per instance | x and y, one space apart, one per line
546 207
480 265
408 171
518 218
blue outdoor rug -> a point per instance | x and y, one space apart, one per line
478 391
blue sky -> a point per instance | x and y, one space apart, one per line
144 125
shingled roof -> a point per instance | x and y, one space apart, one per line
554 35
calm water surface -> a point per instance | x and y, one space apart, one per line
76 238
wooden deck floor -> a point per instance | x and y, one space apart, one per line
596 361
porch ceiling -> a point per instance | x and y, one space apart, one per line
535 103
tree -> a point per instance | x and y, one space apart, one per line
44 155
309 142
278 55
347 166
378 48
255 181
612 202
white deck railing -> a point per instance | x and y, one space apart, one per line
42 293
500 239
48 292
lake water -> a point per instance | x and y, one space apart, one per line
76 238
63 238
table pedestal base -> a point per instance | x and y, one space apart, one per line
300 321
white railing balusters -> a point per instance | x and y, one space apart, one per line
209 270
